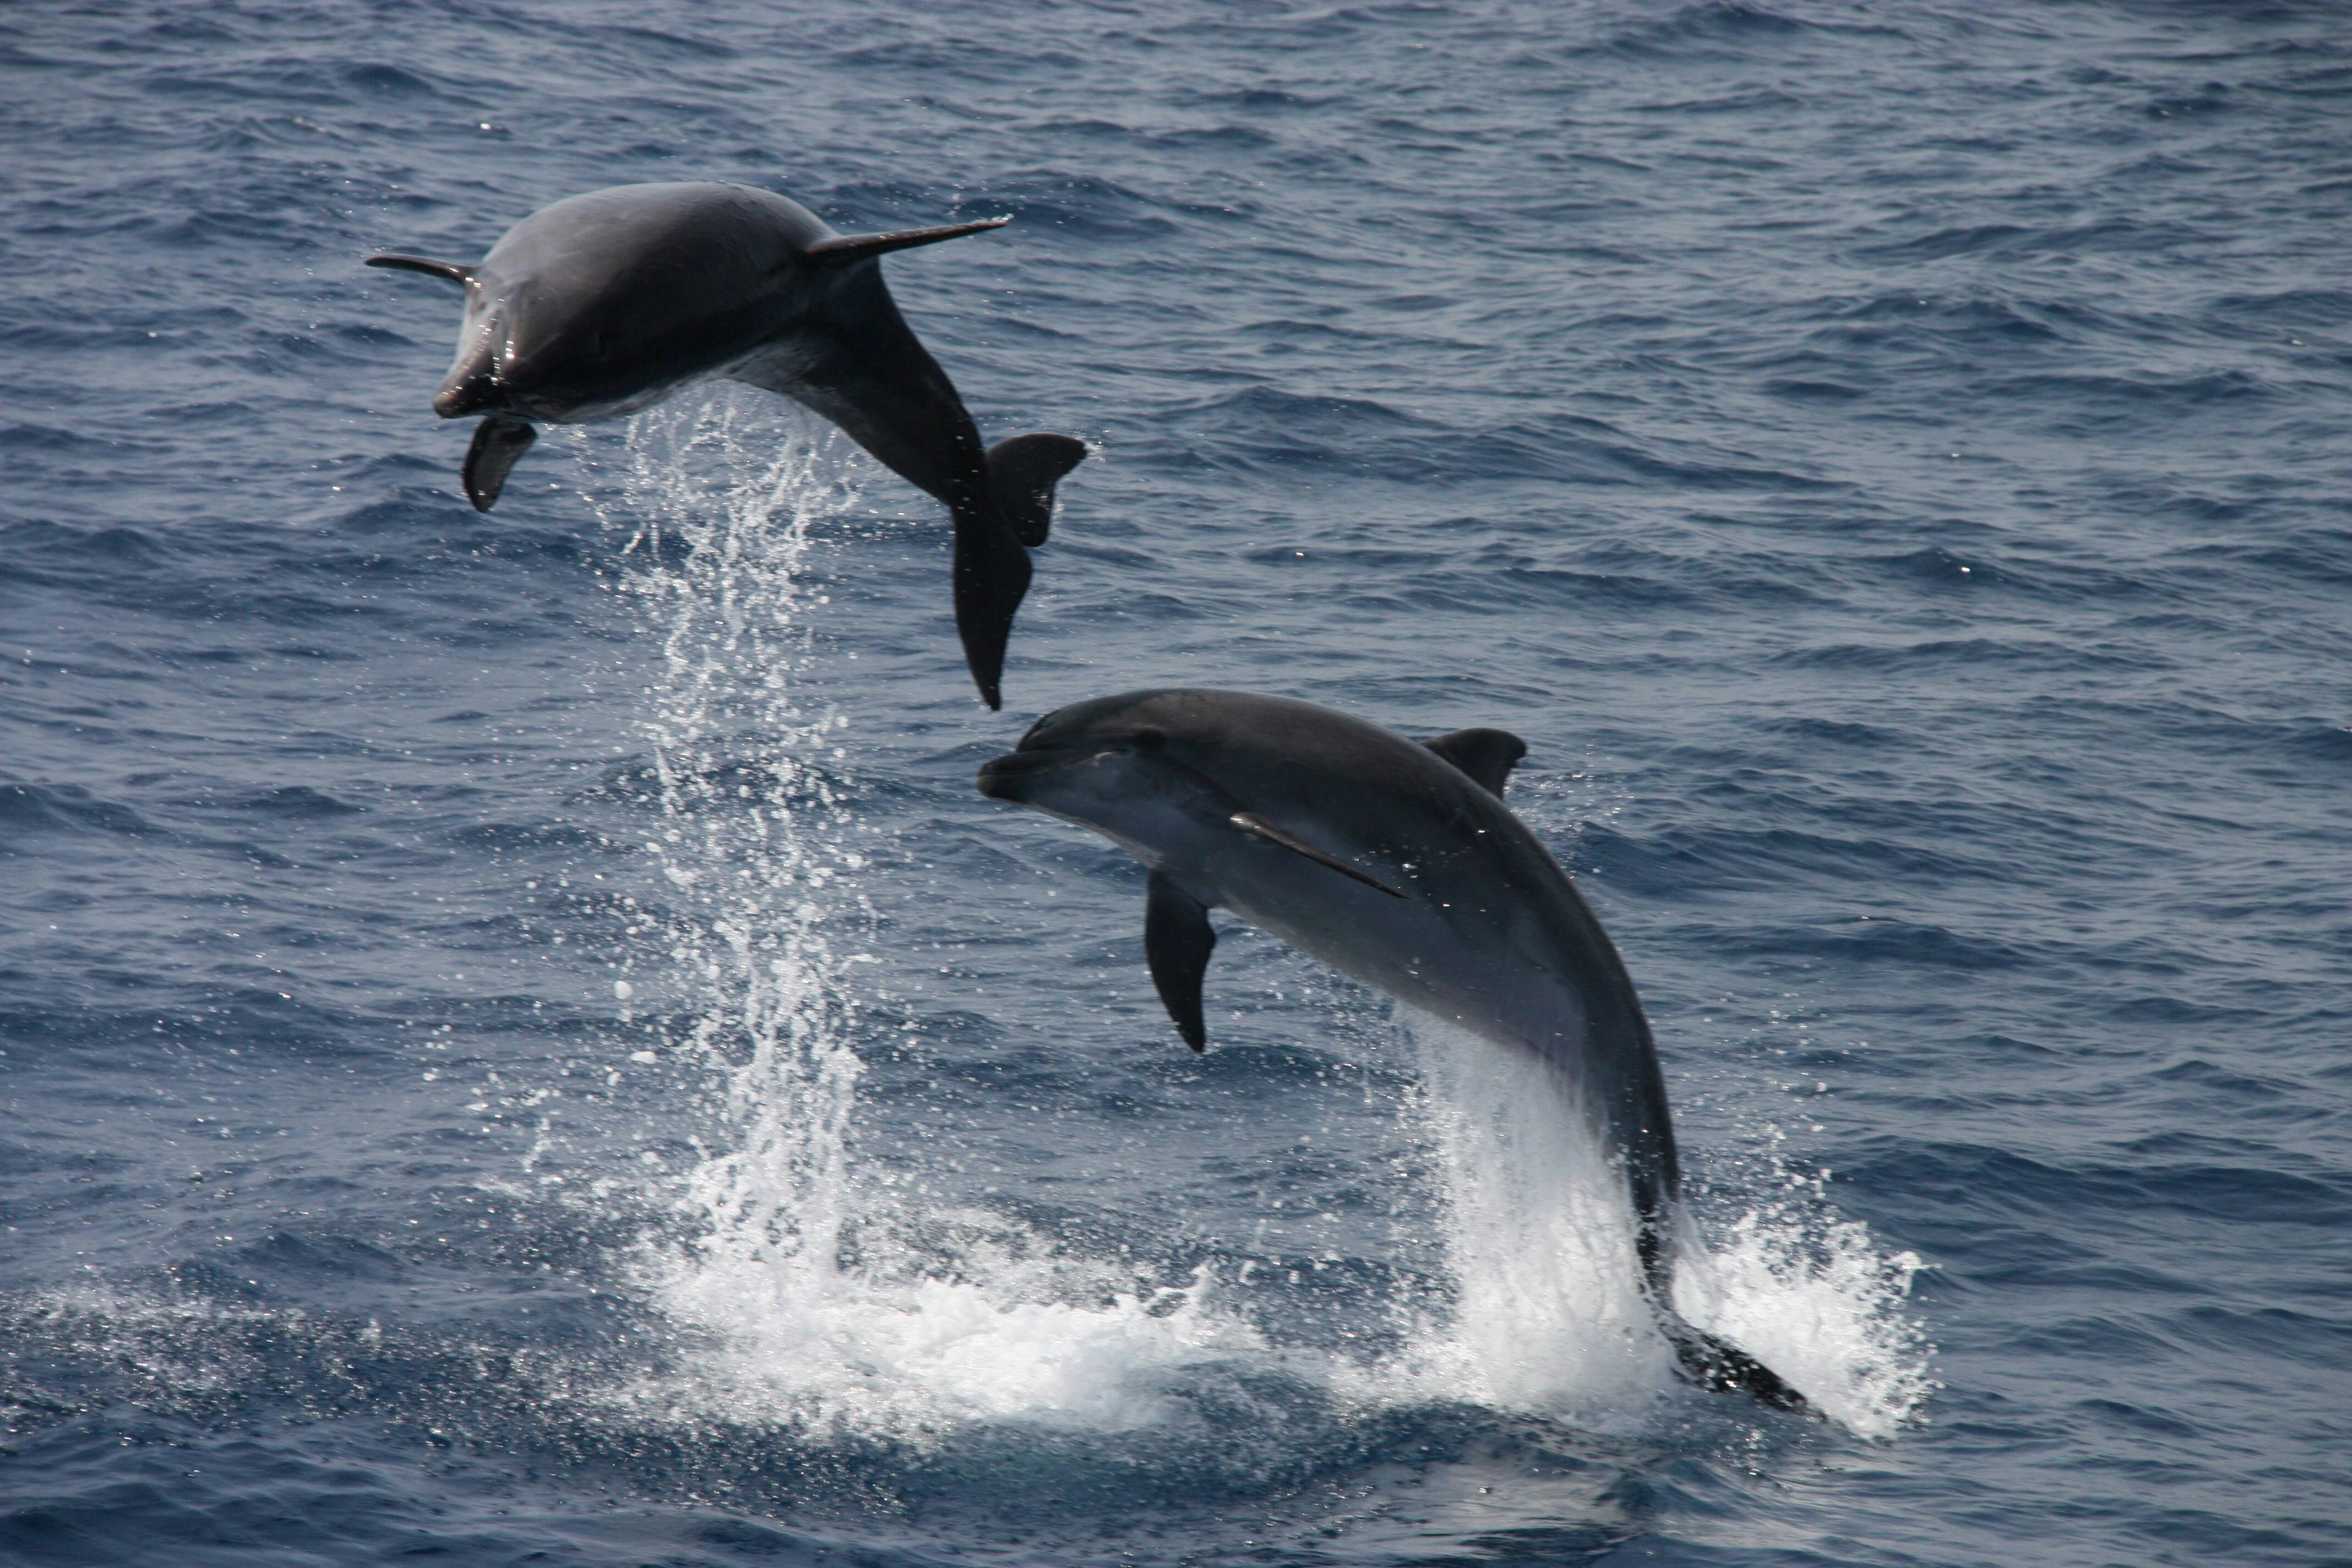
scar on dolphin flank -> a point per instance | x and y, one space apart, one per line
1396 864
606 303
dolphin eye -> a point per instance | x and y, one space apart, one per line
1150 741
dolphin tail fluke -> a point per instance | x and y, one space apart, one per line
991 573
1022 473
1711 1363
498 442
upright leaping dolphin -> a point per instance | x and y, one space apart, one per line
606 303
1392 862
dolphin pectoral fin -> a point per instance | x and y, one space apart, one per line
844 248
1258 828
498 441
991 573
454 272
1486 755
1177 941
1022 473
1705 1362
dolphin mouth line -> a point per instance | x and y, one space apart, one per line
1003 770
474 395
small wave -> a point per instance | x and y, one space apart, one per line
1711 21
1266 428
1089 208
69 808
1878 939
296 802
388 78
1960 652
1735 28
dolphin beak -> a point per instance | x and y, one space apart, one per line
478 382
474 390
999 777
1003 777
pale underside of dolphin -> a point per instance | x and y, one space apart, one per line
606 303
1396 864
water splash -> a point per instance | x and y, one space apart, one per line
1549 1314
1816 1300
757 845
808 1300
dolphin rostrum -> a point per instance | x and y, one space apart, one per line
1396 864
606 303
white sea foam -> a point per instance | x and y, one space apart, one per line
1548 1312
1545 1316
1547 1306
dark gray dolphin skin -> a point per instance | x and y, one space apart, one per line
1396 864
606 303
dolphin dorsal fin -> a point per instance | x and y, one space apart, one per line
1258 828
454 271
844 248
1486 755
1176 941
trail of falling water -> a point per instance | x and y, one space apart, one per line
756 843
755 832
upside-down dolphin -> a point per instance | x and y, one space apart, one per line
606 303
1392 862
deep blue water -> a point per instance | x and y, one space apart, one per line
521 1043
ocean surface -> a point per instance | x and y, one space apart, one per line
521 1043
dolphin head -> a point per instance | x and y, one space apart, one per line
1130 767
540 353
602 303
475 384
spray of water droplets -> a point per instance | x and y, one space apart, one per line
1547 1314
754 838
756 845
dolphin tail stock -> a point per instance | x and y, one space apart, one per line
1701 1359
992 537
1022 473
1705 1362
991 574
